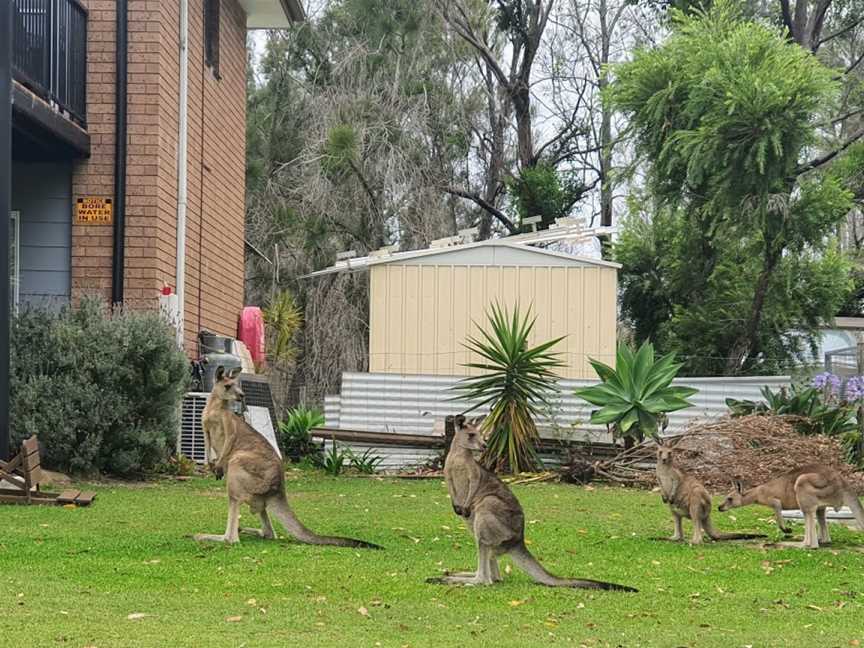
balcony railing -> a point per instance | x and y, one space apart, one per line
49 52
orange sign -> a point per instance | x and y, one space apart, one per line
94 211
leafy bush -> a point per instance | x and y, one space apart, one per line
101 389
635 397
515 380
294 432
179 466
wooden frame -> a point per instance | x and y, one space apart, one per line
24 473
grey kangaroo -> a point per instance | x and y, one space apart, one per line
253 471
812 488
494 517
687 497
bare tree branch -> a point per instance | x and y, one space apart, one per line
824 159
840 32
854 63
478 200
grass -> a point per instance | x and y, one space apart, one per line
73 577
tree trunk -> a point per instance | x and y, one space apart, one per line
521 99
605 125
497 113
746 342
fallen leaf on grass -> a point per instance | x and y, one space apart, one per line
517 603
233 619
252 602
137 615
363 611
815 607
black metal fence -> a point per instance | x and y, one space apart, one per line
49 52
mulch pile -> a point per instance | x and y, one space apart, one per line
753 448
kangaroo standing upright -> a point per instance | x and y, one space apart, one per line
253 470
494 517
688 498
812 489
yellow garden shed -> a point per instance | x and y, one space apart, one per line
424 304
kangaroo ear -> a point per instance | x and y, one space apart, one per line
739 486
235 372
220 373
477 421
459 420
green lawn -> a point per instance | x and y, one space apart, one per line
73 577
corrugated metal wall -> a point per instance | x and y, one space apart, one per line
411 404
420 315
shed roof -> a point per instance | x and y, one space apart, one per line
272 14
491 252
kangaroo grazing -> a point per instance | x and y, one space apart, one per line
494 517
688 498
812 489
252 469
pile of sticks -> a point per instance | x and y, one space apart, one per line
751 448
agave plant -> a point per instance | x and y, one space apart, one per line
294 432
635 397
515 381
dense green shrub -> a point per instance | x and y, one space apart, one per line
101 389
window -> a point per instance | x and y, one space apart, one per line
14 265
211 35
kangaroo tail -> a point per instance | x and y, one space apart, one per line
736 536
714 534
857 510
529 564
279 507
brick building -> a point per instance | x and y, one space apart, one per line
73 233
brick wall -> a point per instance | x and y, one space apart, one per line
91 245
216 162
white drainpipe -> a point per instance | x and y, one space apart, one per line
182 194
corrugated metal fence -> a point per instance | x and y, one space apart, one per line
412 404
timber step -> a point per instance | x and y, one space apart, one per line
76 497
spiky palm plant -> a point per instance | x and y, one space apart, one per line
515 381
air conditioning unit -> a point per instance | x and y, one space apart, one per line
190 441
260 414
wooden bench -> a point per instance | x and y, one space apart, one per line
24 474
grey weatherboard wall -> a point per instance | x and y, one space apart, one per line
42 193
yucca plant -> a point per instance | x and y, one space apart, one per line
516 380
635 397
283 318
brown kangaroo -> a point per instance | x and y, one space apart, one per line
494 517
253 471
811 488
688 498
